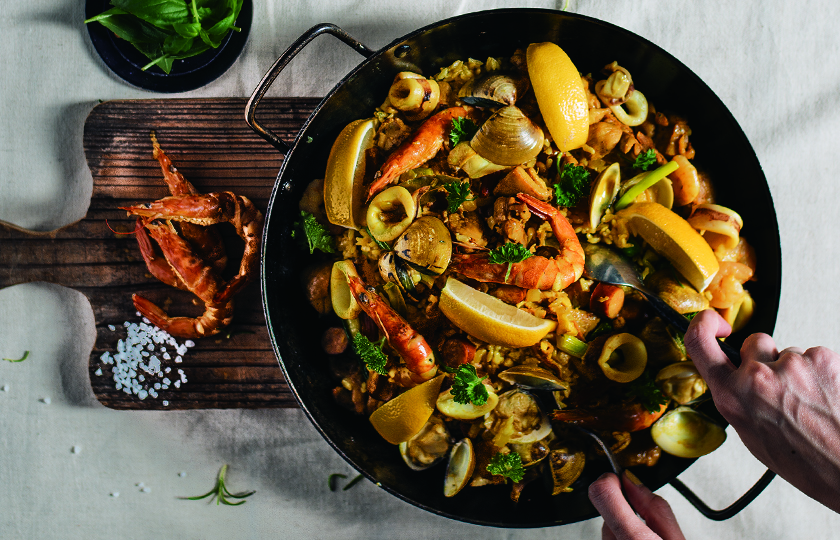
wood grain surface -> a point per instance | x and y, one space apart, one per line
210 143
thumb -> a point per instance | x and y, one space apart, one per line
704 350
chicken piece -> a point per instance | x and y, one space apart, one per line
509 209
467 228
392 133
522 180
603 137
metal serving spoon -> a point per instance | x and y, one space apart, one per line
606 265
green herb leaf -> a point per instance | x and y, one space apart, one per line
457 193
463 129
508 254
645 160
161 13
467 387
645 390
370 353
507 465
690 316
353 482
21 359
332 480
604 327
317 236
221 492
382 245
573 185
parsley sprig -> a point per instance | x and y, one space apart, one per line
317 236
463 129
508 254
221 493
645 390
457 193
466 386
645 160
370 353
573 185
507 465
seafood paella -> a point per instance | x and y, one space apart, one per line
453 220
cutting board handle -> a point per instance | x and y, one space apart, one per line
281 63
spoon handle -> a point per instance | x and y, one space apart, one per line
681 323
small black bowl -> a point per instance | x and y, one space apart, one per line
187 74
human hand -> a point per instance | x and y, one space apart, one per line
621 522
784 405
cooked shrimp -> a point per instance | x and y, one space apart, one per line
422 146
727 286
410 345
534 272
210 209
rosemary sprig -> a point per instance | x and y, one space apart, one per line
21 359
220 492
332 481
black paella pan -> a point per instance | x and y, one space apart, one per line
295 328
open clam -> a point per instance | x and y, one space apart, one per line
533 377
460 468
661 192
566 466
685 432
681 382
508 138
494 89
447 405
517 419
428 447
604 191
426 244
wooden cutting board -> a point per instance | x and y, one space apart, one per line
210 143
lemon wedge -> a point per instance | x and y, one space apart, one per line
343 194
560 95
404 416
489 319
672 237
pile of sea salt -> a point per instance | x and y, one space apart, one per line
140 361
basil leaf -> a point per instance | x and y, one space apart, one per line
105 15
161 13
134 30
187 30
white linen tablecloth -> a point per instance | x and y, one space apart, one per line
64 457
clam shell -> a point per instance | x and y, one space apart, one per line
604 191
426 244
517 402
533 377
661 192
685 432
428 447
508 138
447 405
460 468
681 382
493 89
566 466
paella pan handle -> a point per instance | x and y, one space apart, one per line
281 63
731 510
